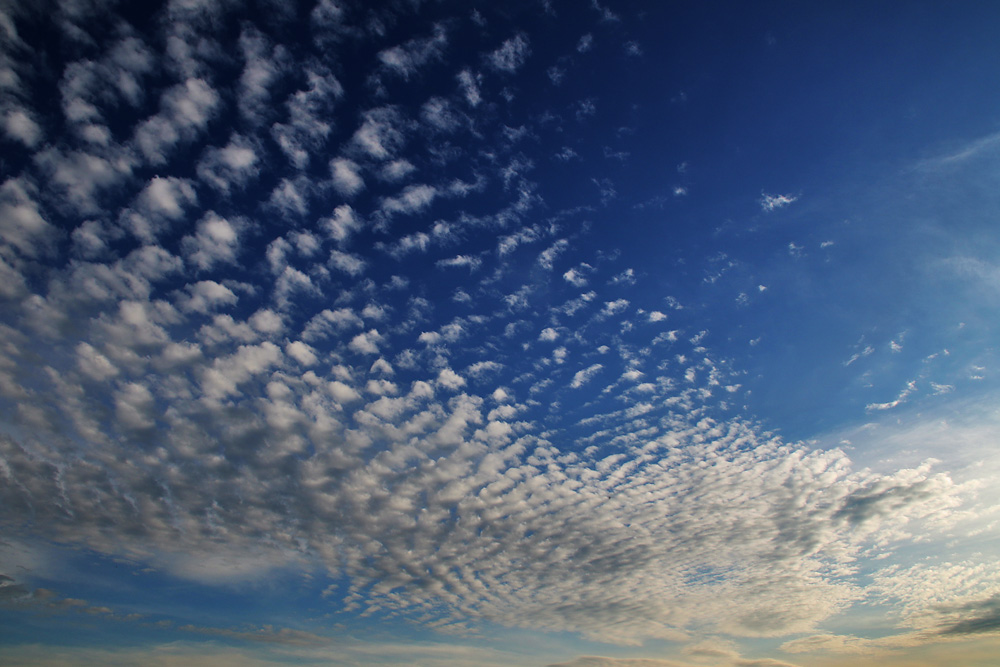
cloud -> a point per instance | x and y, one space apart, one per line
264 65
412 199
346 176
406 59
382 133
903 395
511 54
81 178
309 111
770 203
19 125
233 165
342 224
21 219
350 264
206 295
213 366
185 111
583 377
215 241
469 84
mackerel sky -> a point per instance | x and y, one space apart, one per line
579 334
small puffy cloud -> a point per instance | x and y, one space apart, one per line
93 364
449 379
469 83
482 368
346 176
82 177
185 111
412 199
290 197
461 261
382 367
342 393
309 111
267 322
330 322
396 170
346 262
548 256
302 353
21 222
134 405
585 43
548 334
615 307
626 277
381 133
215 241
264 65
770 203
205 296
583 377
511 54
167 197
657 316
406 59
438 113
577 276
342 224
366 343
231 165
19 125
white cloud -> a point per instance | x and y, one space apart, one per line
264 65
903 395
19 125
449 379
342 224
205 296
463 261
548 334
469 84
346 176
215 241
83 177
349 264
586 375
309 111
412 199
21 221
772 202
381 133
302 353
185 111
549 255
396 170
232 165
406 59
367 342
511 54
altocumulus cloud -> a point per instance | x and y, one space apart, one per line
214 365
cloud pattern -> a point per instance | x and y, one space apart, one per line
244 330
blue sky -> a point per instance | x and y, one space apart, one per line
528 333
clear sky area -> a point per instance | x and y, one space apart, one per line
528 333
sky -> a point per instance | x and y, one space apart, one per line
534 333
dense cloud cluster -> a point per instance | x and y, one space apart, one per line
265 308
